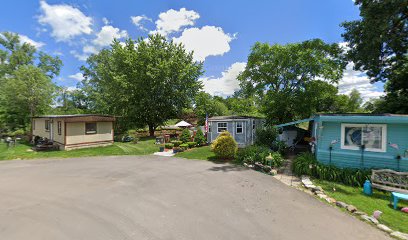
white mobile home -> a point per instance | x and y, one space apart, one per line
75 131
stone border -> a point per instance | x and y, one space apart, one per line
318 191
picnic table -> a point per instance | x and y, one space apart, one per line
395 197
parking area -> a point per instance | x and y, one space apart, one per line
153 197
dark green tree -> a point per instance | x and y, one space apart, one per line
379 45
199 137
277 74
185 136
145 82
26 87
204 104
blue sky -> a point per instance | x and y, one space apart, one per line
220 32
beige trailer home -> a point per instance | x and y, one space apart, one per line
75 131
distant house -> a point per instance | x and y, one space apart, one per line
359 140
242 128
75 131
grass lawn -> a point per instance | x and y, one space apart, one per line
21 151
395 219
201 153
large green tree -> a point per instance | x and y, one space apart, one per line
26 87
205 104
144 82
278 75
379 45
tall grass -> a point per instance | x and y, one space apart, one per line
306 164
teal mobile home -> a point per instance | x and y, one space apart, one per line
371 141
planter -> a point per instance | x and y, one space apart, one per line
161 149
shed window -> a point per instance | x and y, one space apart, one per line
59 127
240 128
221 127
90 128
372 136
47 125
33 124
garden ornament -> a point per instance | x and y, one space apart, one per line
377 214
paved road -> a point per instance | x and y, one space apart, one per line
150 197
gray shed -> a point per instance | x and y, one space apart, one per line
242 128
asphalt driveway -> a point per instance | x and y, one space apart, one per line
150 197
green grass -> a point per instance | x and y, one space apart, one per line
22 151
395 219
201 153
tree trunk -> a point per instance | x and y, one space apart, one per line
151 130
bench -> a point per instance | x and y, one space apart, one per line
389 180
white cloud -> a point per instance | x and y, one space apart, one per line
105 21
227 84
25 39
66 21
79 56
205 41
173 21
103 39
358 80
138 21
107 34
77 76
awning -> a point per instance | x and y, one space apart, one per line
294 122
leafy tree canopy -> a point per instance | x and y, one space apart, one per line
145 82
26 88
278 75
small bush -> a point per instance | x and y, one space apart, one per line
185 136
178 149
200 138
191 144
224 146
176 143
255 153
135 140
169 145
266 136
184 146
307 164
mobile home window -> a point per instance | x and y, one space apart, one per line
240 128
221 127
90 128
372 136
59 127
47 125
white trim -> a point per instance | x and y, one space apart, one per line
383 137
226 127
236 127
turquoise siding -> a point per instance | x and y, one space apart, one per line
331 130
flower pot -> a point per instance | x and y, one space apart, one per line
161 149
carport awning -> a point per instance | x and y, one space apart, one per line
295 122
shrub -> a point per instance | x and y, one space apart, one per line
224 146
306 164
255 153
275 161
191 144
266 136
252 154
176 143
178 149
200 138
184 146
135 140
185 136
169 145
